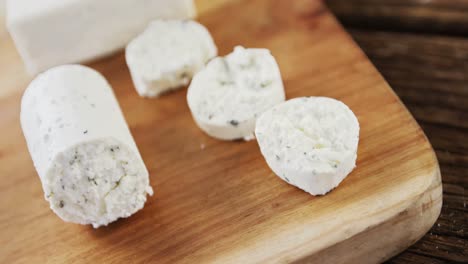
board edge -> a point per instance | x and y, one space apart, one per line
416 219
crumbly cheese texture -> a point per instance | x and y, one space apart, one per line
167 55
48 33
89 165
309 142
228 95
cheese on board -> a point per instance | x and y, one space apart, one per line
89 165
48 33
309 142
167 55
228 95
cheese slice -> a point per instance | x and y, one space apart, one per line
48 33
309 142
89 165
167 55
228 95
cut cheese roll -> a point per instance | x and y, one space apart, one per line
309 142
90 168
228 95
167 55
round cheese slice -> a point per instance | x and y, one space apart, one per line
228 95
309 142
167 55
90 168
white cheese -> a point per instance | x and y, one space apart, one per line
167 55
228 95
309 142
48 33
89 165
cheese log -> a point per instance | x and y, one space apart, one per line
228 95
90 168
167 55
48 33
310 142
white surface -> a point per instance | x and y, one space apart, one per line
309 142
48 33
167 55
2 8
228 95
90 168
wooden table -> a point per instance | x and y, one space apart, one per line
421 48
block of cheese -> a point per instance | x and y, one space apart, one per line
89 165
167 55
309 142
228 95
48 33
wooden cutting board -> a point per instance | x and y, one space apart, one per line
218 201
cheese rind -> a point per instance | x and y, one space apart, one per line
167 55
48 33
228 95
309 142
89 165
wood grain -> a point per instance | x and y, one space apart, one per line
222 203
430 74
435 16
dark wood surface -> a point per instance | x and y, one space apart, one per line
421 48
429 16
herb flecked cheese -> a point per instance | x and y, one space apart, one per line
309 142
228 95
167 55
89 165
